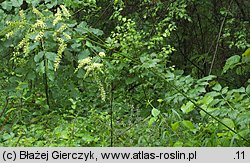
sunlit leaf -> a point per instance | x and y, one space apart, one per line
155 112
188 124
188 107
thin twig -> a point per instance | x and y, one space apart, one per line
218 39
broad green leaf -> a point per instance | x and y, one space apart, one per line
23 85
84 54
80 73
178 144
51 75
89 44
222 134
151 121
51 65
31 75
51 3
206 100
149 63
224 90
7 136
241 89
64 134
213 94
231 63
16 3
39 56
97 32
217 87
207 78
33 2
248 89
6 5
188 124
82 28
175 126
116 1
188 107
246 53
200 89
76 45
229 122
40 68
155 112
50 56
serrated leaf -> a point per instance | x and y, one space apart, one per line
155 112
188 107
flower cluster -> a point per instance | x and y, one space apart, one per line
61 30
37 12
22 15
61 48
39 36
65 11
58 16
83 62
61 12
39 24
9 34
93 67
101 88
102 54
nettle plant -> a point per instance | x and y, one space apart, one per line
45 44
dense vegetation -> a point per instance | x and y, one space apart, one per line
125 73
